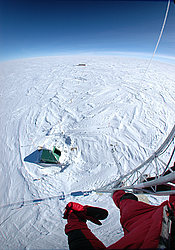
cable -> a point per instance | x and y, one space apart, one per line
62 196
158 41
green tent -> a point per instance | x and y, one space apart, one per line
50 156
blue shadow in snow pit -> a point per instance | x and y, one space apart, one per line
68 140
33 157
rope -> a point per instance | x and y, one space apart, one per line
20 204
158 41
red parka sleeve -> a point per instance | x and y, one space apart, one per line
117 196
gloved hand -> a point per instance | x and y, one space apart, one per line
94 214
72 207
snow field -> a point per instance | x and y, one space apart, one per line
103 117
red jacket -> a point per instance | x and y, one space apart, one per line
141 223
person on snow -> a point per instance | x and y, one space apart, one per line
145 226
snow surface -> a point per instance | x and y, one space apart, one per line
98 115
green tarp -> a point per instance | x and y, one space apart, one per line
50 156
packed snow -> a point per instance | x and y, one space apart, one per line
105 118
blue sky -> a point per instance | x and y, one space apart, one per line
30 28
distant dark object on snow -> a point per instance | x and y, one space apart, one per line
81 64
